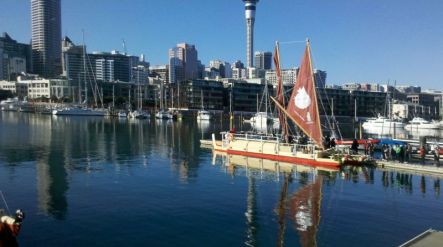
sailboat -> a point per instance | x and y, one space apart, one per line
261 120
203 114
302 109
162 113
139 113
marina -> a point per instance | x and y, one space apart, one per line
175 135
160 169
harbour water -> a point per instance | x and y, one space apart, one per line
110 182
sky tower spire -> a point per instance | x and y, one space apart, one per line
250 19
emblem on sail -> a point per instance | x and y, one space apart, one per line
302 99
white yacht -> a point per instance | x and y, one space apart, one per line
204 115
122 114
382 122
384 126
79 111
138 114
10 104
261 118
162 114
420 123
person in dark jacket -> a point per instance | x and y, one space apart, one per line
354 146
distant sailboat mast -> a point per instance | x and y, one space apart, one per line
84 69
280 92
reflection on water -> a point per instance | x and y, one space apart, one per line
80 177
302 207
62 145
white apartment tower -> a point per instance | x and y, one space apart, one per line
46 37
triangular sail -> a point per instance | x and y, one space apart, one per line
302 107
280 92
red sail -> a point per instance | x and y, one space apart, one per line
280 91
302 107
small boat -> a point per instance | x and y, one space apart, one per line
122 114
79 111
139 114
10 104
204 115
163 115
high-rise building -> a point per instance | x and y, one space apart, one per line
250 6
46 37
73 63
183 63
320 78
263 60
111 66
14 58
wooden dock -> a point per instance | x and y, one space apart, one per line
427 168
429 238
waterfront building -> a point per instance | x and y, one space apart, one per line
46 37
263 60
211 73
244 95
62 89
160 71
112 66
289 76
320 78
250 7
9 86
408 110
140 75
222 67
238 73
34 88
428 101
408 89
15 58
191 92
183 63
73 63
343 102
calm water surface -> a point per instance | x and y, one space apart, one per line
105 182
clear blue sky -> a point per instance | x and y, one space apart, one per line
353 40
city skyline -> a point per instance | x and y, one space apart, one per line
394 41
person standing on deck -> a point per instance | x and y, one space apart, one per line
333 143
422 153
408 151
354 146
371 149
401 153
437 155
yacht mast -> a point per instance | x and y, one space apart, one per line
84 68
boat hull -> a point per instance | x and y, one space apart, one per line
276 151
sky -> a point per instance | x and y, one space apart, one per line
375 41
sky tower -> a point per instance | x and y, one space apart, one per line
250 19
